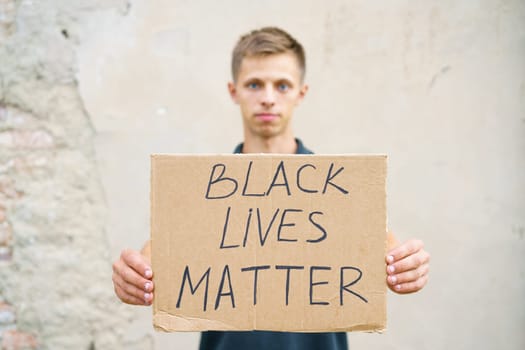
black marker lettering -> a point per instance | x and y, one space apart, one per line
344 287
225 229
329 177
219 178
220 293
255 278
299 175
282 224
288 268
312 284
323 237
261 238
246 180
247 227
186 276
280 169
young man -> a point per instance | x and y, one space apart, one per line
268 68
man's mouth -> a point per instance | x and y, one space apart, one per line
266 117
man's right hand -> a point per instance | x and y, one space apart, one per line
132 278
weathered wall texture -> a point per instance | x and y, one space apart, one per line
88 89
54 258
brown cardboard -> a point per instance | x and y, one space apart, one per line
334 229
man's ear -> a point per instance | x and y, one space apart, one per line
302 93
233 92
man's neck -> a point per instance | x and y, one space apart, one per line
279 144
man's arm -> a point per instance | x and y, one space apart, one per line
132 276
407 265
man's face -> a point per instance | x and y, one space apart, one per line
267 90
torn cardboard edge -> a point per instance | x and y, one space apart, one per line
165 322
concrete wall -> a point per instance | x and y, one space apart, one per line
89 88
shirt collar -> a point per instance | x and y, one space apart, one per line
300 148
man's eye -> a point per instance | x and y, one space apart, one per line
253 86
283 87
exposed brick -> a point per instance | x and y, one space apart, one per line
7 193
7 188
29 163
7 318
28 139
7 17
16 340
24 164
7 315
6 234
6 254
3 112
5 167
2 217
14 118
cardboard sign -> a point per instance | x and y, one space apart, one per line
268 242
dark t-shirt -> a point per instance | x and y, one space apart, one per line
265 340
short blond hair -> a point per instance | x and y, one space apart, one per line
264 42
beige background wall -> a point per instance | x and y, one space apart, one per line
88 89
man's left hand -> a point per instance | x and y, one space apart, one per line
407 267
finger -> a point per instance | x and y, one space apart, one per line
131 299
408 248
130 289
131 276
126 298
408 263
408 276
137 262
411 287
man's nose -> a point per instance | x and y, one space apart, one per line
268 98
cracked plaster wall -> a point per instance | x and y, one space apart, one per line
55 287
88 89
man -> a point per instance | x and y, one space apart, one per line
268 67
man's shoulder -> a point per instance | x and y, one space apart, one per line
301 149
